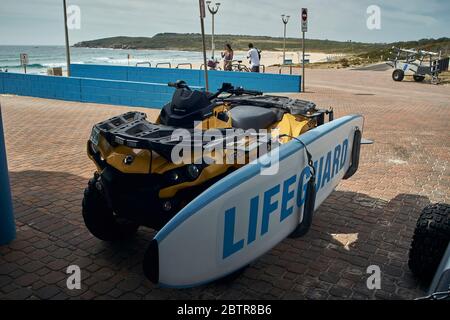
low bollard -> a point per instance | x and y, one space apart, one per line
7 225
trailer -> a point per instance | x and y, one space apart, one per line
419 63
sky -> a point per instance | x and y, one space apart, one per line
40 22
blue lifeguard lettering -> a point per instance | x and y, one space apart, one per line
326 173
269 207
229 246
301 189
253 219
287 196
337 156
344 153
334 163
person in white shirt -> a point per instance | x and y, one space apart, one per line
253 56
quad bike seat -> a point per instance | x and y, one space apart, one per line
252 117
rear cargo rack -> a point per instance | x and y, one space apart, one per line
134 131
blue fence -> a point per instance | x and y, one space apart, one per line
138 94
134 86
265 82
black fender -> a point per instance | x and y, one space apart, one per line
356 151
310 203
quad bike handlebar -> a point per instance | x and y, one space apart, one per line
226 88
180 84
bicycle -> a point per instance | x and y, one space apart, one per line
239 67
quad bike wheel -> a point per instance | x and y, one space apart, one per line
398 75
418 78
101 220
430 240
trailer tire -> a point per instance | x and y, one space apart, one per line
398 75
418 78
100 219
430 240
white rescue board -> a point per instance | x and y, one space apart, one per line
246 214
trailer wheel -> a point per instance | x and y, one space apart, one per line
398 75
418 78
430 240
101 220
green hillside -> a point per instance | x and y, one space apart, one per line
192 42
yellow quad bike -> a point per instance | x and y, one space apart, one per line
137 183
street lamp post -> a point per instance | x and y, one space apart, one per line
213 10
285 20
202 25
66 32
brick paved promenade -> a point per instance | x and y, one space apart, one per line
367 220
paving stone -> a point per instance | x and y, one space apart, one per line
129 284
19 294
103 287
27 279
48 292
340 292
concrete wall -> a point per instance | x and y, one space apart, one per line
265 82
138 94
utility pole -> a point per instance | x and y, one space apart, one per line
66 32
213 10
285 20
202 25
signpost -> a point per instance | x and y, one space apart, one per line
24 61
304 20
202 23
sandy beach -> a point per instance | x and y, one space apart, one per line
270 58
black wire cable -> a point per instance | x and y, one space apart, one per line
308 154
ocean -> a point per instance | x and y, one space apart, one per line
43 57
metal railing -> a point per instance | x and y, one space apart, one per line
184 64
286 66
164 64
145 62
202 67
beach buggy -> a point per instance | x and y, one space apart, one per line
418 63
253 169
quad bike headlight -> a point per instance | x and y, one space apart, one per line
94 148
128 160
192 171
174 176
167 206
